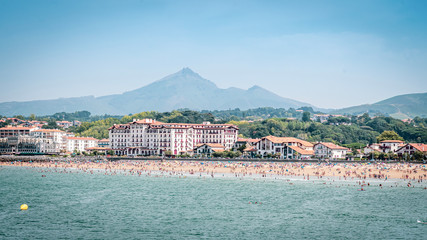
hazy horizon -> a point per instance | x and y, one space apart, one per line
331 54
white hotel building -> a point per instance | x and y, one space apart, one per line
151 137
80 144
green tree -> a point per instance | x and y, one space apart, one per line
306 116
389 135
241 148
418 155
218 154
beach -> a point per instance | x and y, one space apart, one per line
341 171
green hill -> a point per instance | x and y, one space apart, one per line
401 107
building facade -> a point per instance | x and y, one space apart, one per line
411 148
27 145
207 149
387 146
282 147
245 142
14 131
329 150
151 137
104 143
52 135
80 144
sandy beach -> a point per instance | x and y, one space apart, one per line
344 171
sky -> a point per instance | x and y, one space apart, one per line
328 53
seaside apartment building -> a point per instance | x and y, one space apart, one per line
25 144
151 137
80 143
285 147
14 131
31 140
55 136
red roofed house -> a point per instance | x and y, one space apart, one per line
282 146
375 147
299 153
64 124
245 141
208 148
80 143
410 148
15 121
390 145
329 150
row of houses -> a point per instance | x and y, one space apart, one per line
395 147
150 137
37 123
297 149
290 148
18 139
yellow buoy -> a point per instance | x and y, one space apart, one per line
24 207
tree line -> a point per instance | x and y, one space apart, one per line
348 131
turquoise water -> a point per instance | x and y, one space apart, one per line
96 206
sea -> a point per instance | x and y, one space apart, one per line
74 204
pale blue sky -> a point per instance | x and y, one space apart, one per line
328 53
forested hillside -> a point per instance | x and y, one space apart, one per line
260 122
361 130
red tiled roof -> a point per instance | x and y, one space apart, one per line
302 151
250 149
333 146
419 146
16 128
147 121
83 138
251 140
212 145
48 130
119 126
287 140
391 141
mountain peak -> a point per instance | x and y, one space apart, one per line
187 71
185 78
255 87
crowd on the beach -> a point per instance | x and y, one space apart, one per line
361 172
